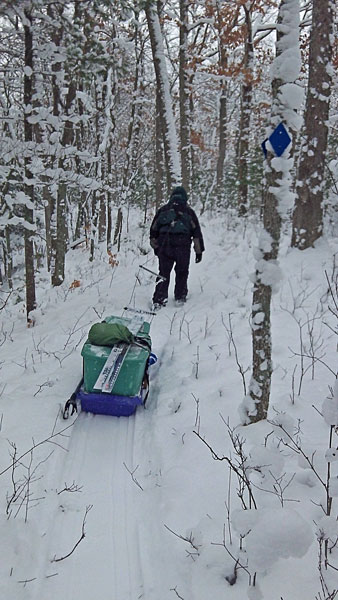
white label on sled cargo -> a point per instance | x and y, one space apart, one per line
108 366
114 371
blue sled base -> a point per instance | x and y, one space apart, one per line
109 404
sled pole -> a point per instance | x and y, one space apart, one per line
153 273
139 310
71 402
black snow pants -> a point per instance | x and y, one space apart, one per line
168 256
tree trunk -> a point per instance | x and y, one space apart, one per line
222 122
260 383
277 187
29 187
94 224
159 166
308 213
58 207
102 218
133 127
184 97
226 18
118 228
49 208
60 241
244 123
50 197
171 153
58 274
109 202
8 257
80 218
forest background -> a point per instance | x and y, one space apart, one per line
106 105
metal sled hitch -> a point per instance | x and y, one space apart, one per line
71 403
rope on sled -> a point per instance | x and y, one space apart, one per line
131 304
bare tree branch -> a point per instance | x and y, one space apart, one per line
83 535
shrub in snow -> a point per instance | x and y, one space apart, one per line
277 533
284 426
327 528
265 461
243 521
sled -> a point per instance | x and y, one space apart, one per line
115 378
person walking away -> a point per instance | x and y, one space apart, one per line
174 227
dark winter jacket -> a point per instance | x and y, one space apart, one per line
176 224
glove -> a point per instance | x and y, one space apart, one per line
198 258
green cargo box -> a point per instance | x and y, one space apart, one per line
130 377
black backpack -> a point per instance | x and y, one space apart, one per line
169 221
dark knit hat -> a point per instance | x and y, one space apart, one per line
179 196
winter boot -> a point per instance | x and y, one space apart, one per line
159 304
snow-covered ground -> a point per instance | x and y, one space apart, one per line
140 504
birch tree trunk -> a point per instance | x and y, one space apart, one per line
276 197
170 142
159 166
308 213
133 126
29 182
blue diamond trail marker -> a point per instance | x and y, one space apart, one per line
279 139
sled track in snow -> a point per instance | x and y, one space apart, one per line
116 560
107 563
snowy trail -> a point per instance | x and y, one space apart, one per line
118 559
106 564
138 541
